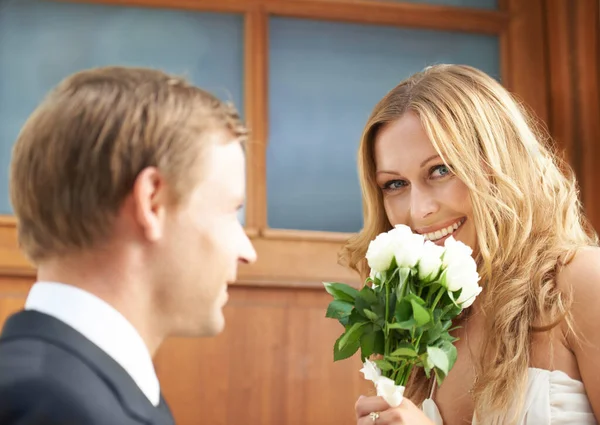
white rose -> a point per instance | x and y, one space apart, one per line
408 246
455 251
463 275
371 371
468 294
380 253
431 261
460 273
393 394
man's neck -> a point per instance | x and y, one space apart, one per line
119 286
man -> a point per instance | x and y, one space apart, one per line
126 184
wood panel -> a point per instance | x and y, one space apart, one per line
574 67
256 50
562 101
587 72
410 15
285 258
272 365
523 50
361 11
12 261
13 291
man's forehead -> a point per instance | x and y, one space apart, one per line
224 170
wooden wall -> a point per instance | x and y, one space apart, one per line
273 364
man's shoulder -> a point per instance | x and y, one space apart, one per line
34 358
37 373
38 378
37 399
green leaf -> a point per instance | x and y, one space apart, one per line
341 291
339 309
403 311
371 342
446 325
384 365
361 305
448 338
427 364
404 349
416 299
421 314
356 317
451 310
432 334
403 282
395 359
370 315
439 376
406 325
379 344
348 351
439 358
392 304
454 296
352 334
379 309
403 275
366 341
368 295
451 353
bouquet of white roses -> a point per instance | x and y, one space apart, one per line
405 316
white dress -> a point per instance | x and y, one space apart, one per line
552 398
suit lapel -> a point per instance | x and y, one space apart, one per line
164 413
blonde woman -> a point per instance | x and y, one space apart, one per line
450 152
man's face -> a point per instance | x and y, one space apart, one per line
203 242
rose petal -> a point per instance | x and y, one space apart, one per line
371 371
393 394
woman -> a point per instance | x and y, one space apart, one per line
450 152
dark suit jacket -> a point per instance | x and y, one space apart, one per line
50 374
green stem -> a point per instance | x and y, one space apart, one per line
438 297
416 344
406 375
387 312
428 297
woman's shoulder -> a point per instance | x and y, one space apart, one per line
581 279
581 274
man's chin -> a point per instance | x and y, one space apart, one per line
216 324
203 327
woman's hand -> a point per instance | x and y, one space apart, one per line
405 414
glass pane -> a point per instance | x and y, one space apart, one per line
325 78
481 4
41 42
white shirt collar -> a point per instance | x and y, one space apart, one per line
103 325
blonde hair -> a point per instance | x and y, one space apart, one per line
526 212
78 155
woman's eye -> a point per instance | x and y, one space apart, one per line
440 171
394 185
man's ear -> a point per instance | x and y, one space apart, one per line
149 198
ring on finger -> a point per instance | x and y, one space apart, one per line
374 416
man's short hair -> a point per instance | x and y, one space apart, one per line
78 155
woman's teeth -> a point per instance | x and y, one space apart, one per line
438 234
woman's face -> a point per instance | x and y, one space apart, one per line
418 189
